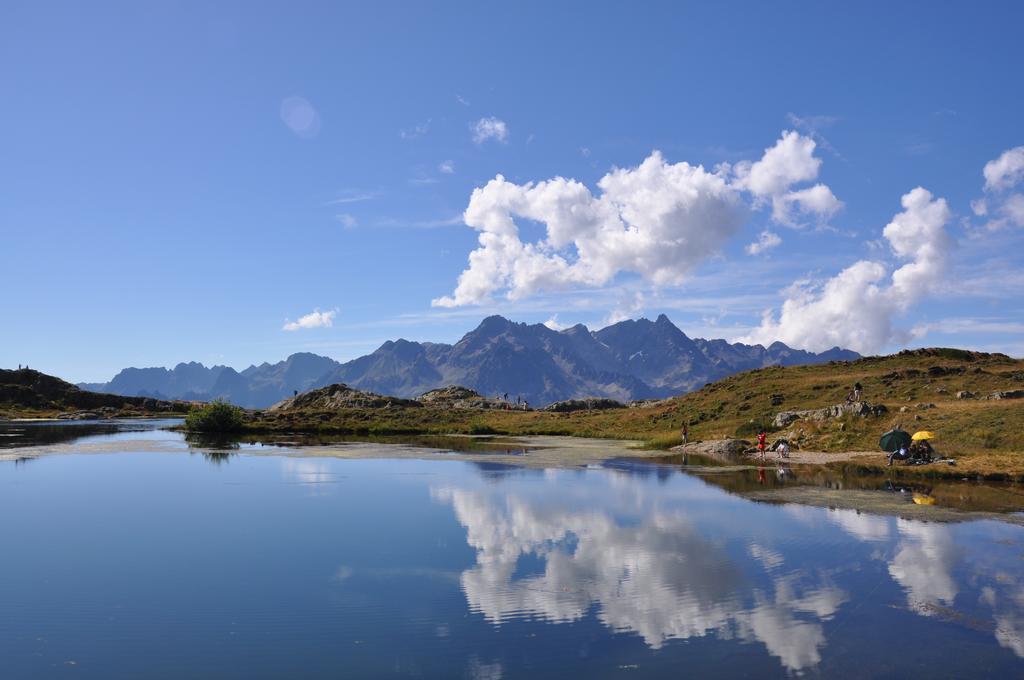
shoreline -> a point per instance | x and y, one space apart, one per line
806 484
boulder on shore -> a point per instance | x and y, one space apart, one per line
728 450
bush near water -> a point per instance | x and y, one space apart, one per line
217 416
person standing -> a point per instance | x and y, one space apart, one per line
762 443
684 433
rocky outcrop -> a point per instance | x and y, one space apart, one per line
1008 394
28 389
458 397
965 394
596 404
857 408
727 450
339 396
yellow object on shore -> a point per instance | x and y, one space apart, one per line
922 499
923 434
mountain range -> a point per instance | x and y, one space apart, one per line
629 360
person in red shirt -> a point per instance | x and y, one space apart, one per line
762 443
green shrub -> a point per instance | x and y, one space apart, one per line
217 416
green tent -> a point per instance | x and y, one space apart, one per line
894 439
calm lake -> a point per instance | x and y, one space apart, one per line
130 554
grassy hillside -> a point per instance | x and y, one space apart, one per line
987 436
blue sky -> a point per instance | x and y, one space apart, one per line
182 180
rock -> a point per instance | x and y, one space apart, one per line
777 399
917 416
459 397
941 390
593 404
857 408
80 415
339 396
785 419
923 406
729 450
964 394
904 409
1009 394
645 403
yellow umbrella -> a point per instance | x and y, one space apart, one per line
923 434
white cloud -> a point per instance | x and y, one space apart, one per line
347 221
446 167
1005 171
1013 209
629 306
818 202
489 128
554 324
300 117
315 319
658 220
766 241
855 309
789 161
1002 175
353 196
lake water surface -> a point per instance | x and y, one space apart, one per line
160 561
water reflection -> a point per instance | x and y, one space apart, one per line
652 563
661 578
18 434
215 448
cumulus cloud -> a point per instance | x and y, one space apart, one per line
489 128
315 319
657 220
856 308
790 161
300 117
766 241
1002 204
1005 171
817 203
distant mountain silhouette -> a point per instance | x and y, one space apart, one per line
629 360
